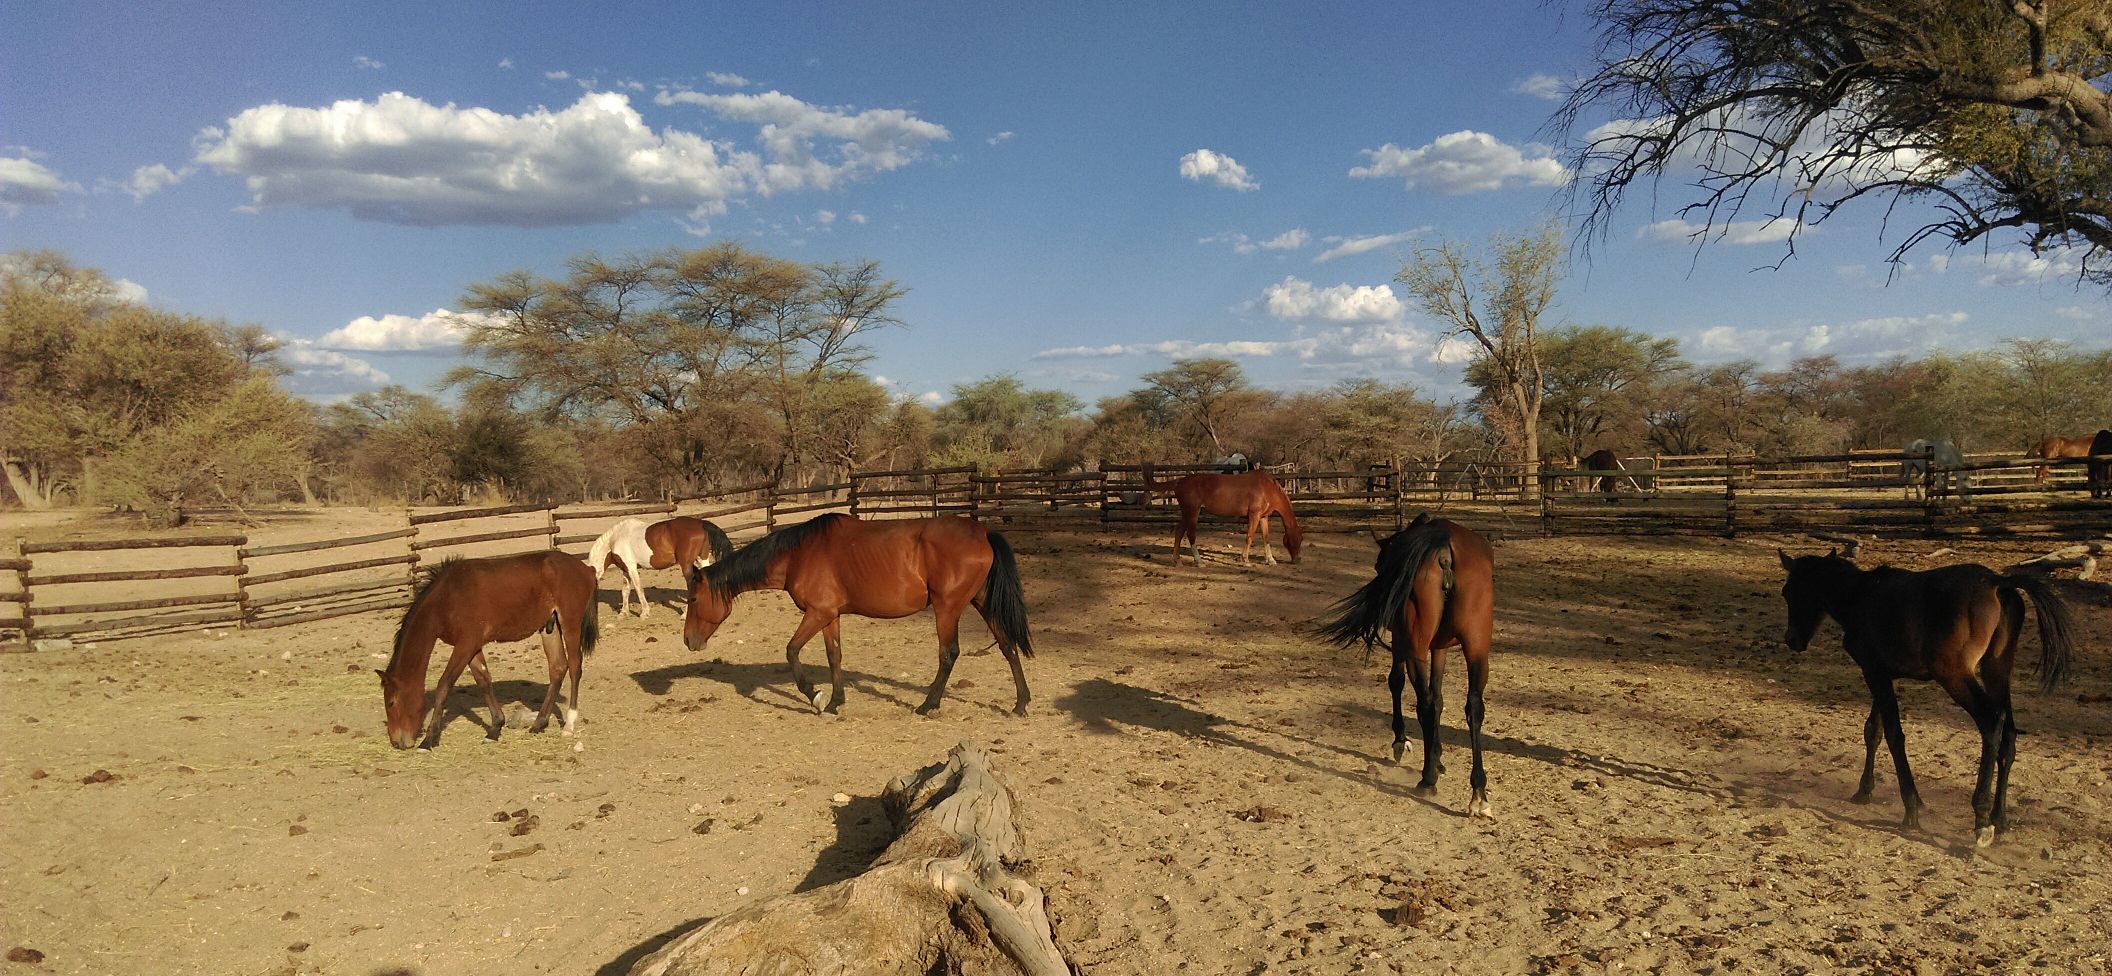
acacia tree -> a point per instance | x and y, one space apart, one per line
1205 391
1595 377
1991 110
1496 304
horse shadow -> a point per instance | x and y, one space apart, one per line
623 964
771 684
661 597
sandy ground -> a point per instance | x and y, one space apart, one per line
1206 790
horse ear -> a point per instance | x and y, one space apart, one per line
1784 557
384 674
1376 539
1832 551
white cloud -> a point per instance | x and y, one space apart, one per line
727 79
1772 230
1464 162
1289 240
824 217
149 180
1351 246
1295 299
857 143
1223 170
1086 352
1828 180
322 372
505 64
437 329
856 217
362 61
26 182
127 290
2020 267
1868 339
557 75
1540 85
1000 138
401 160
931 398
2084 313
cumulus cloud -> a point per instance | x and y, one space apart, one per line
1218 168
931 398
318 372
727 79
1289 240
1295 299
1000 138
26 182
824 217
1773 230
1865 339
1351 246
1540 85
856 217
398 159
437 329
1464 162
810 147
362 61
149 180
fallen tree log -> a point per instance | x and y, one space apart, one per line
939 899
2081 557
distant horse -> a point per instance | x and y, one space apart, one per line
1605 460
1432 587
690 543
1946 457
836 564
472 602
2101 471
2056 448
1957 626
1252 495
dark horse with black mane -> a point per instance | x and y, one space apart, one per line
472 602
2100 472
1433 586
1957 626
836 564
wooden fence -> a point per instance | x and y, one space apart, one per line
89 589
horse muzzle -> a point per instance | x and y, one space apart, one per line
403 740
694 642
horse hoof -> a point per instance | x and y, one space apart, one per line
818 699
1399 749
1860 798
1984 837
1020 710
927 708
1479 807
1424 789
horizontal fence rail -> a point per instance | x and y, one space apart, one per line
1872 491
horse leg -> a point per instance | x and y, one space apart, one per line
809 625
448 675
572 658
1477 654
1887 703
1869 782
1422 674
1266 552
645 609
1019 671
2002 762
479 671
832 638
949 620
553 657
1395 680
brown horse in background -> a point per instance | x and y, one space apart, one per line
690 543
472 602
2056 448
1957 626
835 564
1433 586
1604 459
1251 495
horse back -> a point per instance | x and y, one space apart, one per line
1907 622
507 598
1230 495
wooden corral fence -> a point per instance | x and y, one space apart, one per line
91 589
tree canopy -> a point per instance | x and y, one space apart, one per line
1995 112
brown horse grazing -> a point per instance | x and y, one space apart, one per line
2101 471
1434 586
1251 495
836 564
472 602
1957 626
2056 448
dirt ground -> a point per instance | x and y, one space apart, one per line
1205 790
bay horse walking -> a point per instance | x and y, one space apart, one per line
2055 448
690 543
1956 626
472 602
1433 586
1252 495
835 564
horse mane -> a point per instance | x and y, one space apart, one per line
419 591
1362 616
747 566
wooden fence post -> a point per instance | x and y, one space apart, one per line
242 587
1730 497
550 522
29 631
769 509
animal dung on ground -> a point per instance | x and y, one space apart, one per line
522 826
24 954
295 830
523 852
99 776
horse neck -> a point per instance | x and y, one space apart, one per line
414 646
598 557
1841 588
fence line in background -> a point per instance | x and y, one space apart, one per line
1710 494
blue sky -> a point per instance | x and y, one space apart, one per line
1074 196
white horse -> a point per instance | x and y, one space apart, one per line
635 543
1947 459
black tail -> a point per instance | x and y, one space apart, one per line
2054 643
1004 598
590 628
1361 617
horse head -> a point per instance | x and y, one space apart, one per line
404 704
708 608
1804 594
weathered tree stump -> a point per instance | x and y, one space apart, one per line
939 899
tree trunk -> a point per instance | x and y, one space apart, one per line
939 899
28 488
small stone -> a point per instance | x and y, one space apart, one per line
841 799
696 808
289 916
298 947
288 656
609 808
703 828
742 890
579 746
39 774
